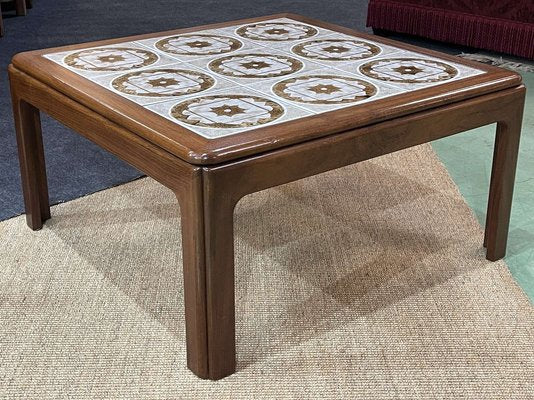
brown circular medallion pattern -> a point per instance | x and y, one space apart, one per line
336 49
324 89
276 31
408 70
110 59
255 65
227 111
163 82
198 44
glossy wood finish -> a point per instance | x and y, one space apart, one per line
207 234
201 151
505 154
203 288
207 194
311 158
155 162
32 165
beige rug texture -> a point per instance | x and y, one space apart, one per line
365 282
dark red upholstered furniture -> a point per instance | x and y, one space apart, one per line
500 25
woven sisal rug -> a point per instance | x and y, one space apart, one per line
366 282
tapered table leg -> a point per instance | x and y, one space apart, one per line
208 256
32 162
502 182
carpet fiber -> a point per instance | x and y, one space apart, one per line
365 282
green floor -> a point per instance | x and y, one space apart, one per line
468 158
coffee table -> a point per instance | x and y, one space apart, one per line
221 111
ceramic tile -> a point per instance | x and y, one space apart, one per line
286 45
247 67
337 48
409 70
196 45
171 81
386 49
219 82
105 60
325 90
280 31
228 111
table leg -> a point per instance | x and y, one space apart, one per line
208 255
32 163
20 7
502 183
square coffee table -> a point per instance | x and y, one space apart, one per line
221 111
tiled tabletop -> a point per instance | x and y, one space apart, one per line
221 82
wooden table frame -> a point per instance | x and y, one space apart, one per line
207 194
